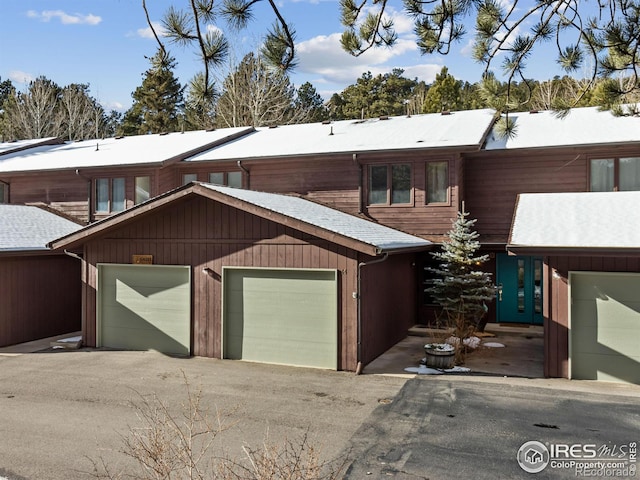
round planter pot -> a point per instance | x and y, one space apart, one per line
440 358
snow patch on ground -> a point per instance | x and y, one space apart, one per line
70 340
471 342
493 345
424 370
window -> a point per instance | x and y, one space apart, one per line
614 174
110 194
189 177
102 195
143 189
629 174
389 184
230 179
234 179
216 178
437 182
117 195
3 192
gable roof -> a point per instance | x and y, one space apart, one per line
26 228
453 130
121 151
303 215
593 221
582 126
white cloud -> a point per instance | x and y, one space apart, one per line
324 57
65 18
148 33
117 106
325 64
18 76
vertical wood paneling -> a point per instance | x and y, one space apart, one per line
388 299
41 297
558 322
493 182
223 240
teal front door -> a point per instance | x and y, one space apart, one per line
519 280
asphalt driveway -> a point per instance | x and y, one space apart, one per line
59 410
472 428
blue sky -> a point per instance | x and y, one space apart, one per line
104 43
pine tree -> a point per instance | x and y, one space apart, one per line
460 287
157 101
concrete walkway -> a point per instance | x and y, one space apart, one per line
37 345
521 356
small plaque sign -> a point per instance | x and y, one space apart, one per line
142 259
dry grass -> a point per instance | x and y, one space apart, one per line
181 443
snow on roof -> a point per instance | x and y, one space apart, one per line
109 152
582 126
30 228
575 220
456 129
365 231
6 147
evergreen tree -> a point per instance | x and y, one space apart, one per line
309 100
444 94
158 101
460 287
200 105
371 96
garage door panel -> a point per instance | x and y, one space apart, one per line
606 341
286 352
608 368
605 326
281 316
145 307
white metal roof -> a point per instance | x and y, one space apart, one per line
457 129
30 228
585 219
582 126
109 152
365 231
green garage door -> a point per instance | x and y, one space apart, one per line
605 326
144 307
281 316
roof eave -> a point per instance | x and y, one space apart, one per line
578 251
76 239
296 156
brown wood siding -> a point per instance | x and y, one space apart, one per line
492 183
556 284
63 191
68 192
39 297
388 292
334 181
206 234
